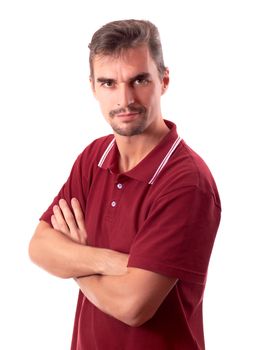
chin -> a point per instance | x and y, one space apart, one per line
128 131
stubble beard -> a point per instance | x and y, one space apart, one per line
129 128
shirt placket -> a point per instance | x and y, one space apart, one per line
117 193
115 201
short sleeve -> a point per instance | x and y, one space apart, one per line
177 237
75 186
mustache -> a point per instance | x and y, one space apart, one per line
130 109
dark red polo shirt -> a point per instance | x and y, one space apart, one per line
165 213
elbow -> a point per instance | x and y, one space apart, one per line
32 251
135 316
39 257
35 251
35 247
136 320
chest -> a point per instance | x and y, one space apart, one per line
116 208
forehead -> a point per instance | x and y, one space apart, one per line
129 62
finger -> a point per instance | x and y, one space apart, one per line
54 223
78 213
60 221
69 218
77 209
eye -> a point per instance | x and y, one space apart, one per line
108 84
141 81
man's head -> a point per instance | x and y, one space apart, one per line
128 75
115 37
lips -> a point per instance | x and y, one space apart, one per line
127 114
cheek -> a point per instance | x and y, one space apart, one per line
106 101
102 100
105 106
146 98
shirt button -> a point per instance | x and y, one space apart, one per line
113 204
119 186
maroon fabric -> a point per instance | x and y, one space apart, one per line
168 227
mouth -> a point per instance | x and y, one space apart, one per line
128 116
127 113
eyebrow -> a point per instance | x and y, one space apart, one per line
105 80
140 76
143 75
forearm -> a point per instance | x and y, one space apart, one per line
61 256
132 298
110 294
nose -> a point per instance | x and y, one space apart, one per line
125 95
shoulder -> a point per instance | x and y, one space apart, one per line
94 151
87 161
186 170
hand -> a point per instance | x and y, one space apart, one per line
70 222
115 263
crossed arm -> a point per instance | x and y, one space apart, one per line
131 295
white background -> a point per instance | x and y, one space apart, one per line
48 115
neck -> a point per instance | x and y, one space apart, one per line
133 149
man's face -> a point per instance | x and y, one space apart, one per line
128 89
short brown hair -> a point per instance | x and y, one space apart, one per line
116 36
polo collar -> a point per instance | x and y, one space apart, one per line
149 168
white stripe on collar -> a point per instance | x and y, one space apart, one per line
165 160
158 170
109 147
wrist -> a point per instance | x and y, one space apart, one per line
112 263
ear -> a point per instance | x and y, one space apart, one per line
165 80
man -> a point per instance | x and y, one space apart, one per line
135 222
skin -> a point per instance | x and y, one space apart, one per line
61 248
128 89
